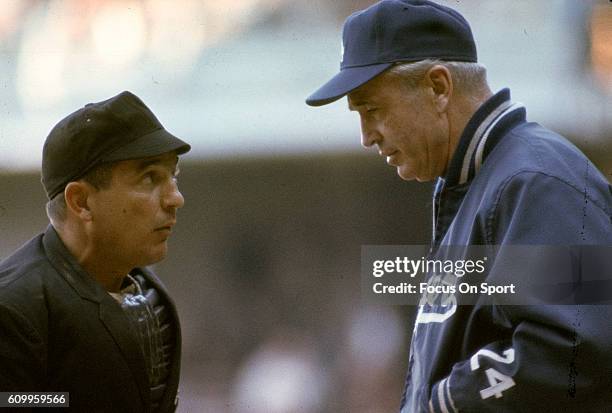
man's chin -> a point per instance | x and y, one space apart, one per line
155 256
406 174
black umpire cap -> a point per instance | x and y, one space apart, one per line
116 129
393 31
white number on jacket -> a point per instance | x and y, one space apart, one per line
499 382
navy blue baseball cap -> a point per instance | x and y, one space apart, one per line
393 31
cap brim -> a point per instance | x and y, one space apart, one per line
155 143
344 82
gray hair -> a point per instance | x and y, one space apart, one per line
99 177
468 78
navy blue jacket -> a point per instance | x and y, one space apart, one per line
61 331
511 182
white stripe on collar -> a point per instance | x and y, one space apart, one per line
483 140
465 169
434 209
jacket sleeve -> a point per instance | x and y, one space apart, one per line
22 353
557 357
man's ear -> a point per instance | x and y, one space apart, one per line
440 81
77 199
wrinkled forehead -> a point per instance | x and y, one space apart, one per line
371 90
166 159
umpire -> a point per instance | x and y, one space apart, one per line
79 310
410 70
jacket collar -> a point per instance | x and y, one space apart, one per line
110 313
482 132
68 267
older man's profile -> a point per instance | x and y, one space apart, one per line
410 70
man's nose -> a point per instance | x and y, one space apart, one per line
368 136
173 198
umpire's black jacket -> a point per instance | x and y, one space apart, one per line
61 331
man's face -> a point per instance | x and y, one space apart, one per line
133 218
404 125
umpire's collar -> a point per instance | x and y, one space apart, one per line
68 267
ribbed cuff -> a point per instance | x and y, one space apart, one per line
441 400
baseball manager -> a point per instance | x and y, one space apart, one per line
410 70
79 310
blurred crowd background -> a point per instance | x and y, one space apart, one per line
265 261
